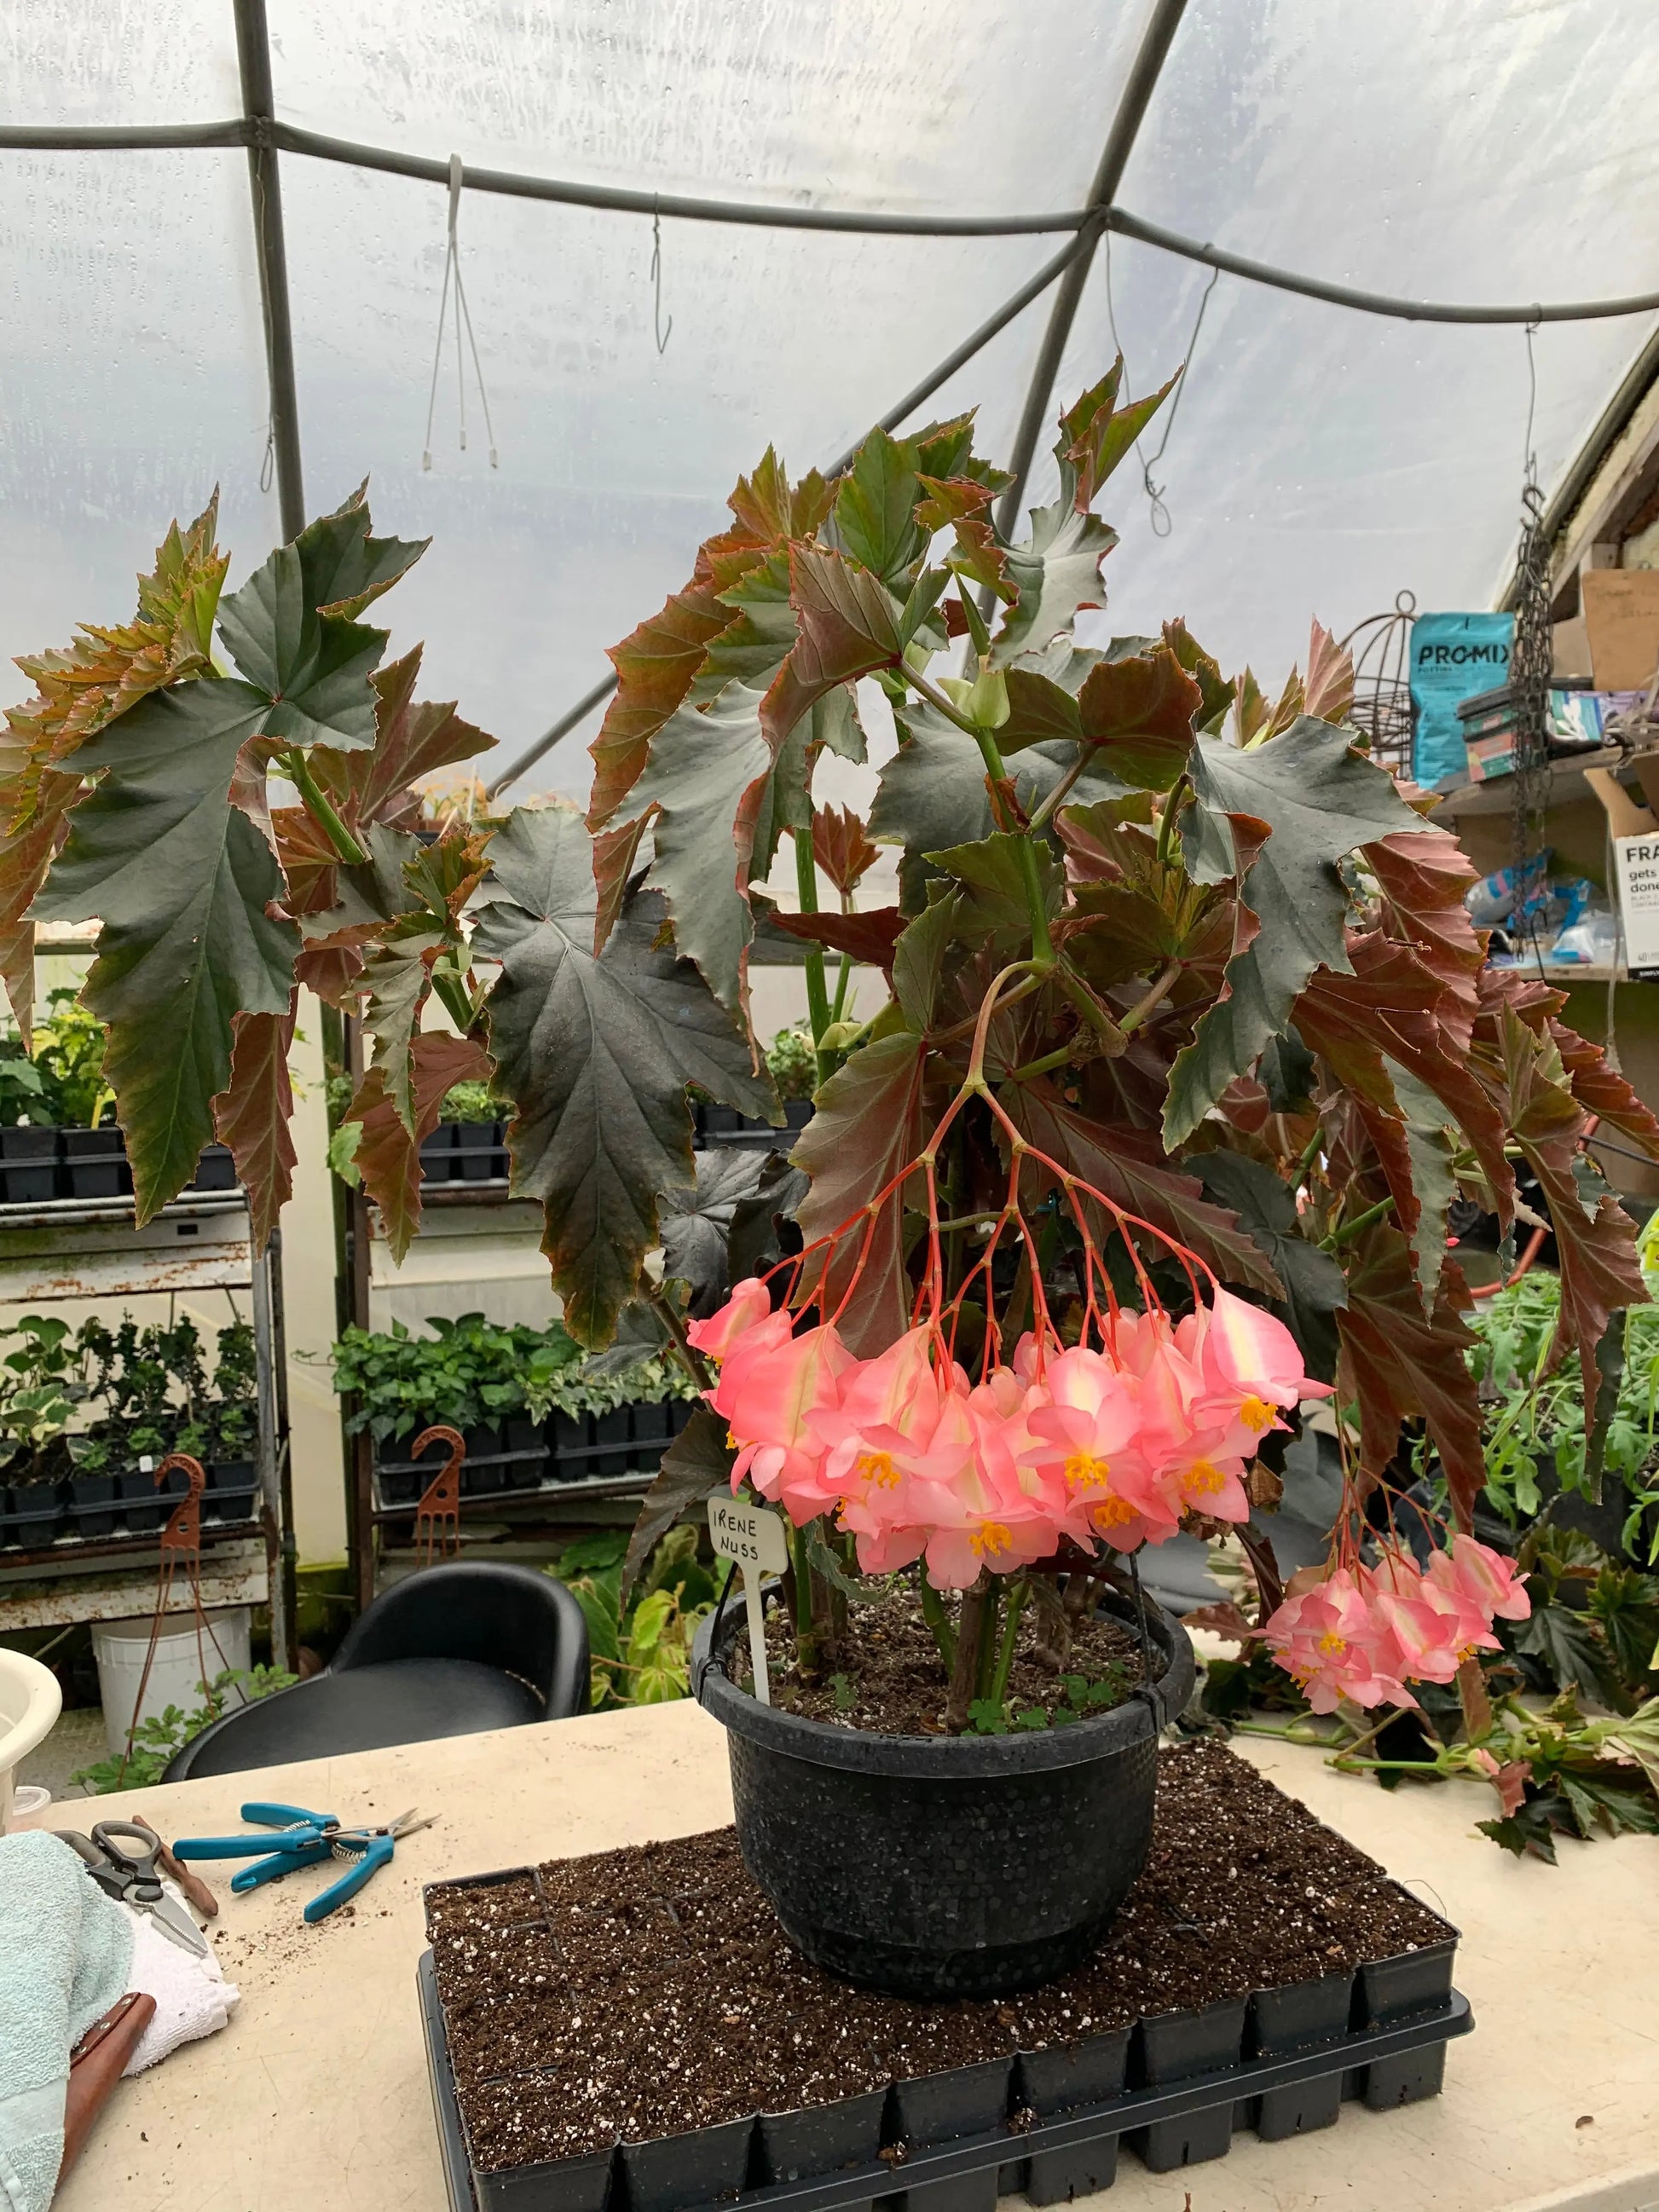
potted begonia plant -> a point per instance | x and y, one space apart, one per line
1189 1044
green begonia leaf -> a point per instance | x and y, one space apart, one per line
290 631
1281 817
596 1055
181 881
1056 572
725 802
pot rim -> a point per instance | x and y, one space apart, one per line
1146 1711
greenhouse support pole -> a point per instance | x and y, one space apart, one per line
1115 158
253 53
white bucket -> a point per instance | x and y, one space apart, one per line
30 1702
119 1647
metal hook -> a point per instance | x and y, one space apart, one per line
662 335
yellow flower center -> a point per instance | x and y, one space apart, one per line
991 1538
1202 1481
1083 1471
730 1441
1331 1645
1112 1513
1257 1414
878 1467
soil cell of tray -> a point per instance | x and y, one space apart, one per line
642 1994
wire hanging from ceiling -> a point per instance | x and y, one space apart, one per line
662 333
1158 510
462 316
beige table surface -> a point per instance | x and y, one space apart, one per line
316 2095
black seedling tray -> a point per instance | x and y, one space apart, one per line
568 1449
1044 2123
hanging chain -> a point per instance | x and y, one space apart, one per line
1531 663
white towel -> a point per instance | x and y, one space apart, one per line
192 1997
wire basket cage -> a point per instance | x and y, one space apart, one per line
1381 712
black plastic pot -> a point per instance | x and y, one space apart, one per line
39 1513
438 1154
821 2138
215 1170
96 1160
233 1491
147 1502
28 1166
93 1501
694 2168
478 1154
940 1867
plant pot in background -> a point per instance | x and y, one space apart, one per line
96 1160
28 1166
231 1493
93 1503
215 1170
611 1428
475 1152
939 1866
39 1513
147 1504
438 1154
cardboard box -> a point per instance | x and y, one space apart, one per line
1571 647
1621 618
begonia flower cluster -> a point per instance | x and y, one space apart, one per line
1109 1445
918 1461
1365 1633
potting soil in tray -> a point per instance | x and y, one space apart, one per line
634 2026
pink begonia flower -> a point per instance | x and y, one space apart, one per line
871 1442
772 1398
1250 1371
1482 1576
1211 1481
750 1302
1087 1434
1326 1639
984 1509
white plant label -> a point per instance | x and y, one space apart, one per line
755 1540
1636 871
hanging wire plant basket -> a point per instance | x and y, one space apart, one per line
1381 646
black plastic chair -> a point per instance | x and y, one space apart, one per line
451 1651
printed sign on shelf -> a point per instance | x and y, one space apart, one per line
1636 870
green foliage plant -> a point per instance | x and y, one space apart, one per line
639 1641
472 1373
164 1735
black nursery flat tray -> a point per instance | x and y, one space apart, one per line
1279 1970
1188 2117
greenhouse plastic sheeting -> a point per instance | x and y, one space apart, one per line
1321 460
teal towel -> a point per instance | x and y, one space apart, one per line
65 1952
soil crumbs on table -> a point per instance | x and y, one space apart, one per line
888 1676
643 1992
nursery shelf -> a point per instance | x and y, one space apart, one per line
57 1249
117 1580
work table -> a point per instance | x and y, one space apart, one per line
318 2092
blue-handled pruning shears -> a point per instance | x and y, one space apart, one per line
303 1838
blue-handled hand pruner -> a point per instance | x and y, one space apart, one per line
301 1839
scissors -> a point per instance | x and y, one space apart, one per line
303 1839
130 1874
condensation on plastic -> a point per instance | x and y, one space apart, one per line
1321 461
132 379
